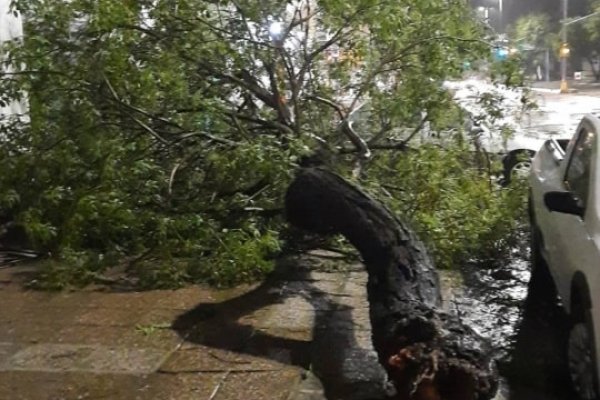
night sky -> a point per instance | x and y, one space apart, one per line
516 8
513 9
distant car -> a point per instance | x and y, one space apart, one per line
564 207
517 149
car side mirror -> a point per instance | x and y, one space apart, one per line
563 202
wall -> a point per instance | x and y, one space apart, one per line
11 27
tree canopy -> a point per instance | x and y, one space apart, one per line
534 29
535 34
168 129
582 36
587 38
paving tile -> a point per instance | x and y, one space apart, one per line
186 298
355 288
107 317
349 372
329 287
297 303
7 350
302 335
310 387
275 385
221 334
308 288
150 336
23 331
348 320
183 386
280 315
353 300
326 254
103 299
319 276
70 299
200 359
179 299
17 303
359 276
286 350
26 385
158 316
40 313
251 342
82 358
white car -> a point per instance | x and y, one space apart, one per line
565 221
517 148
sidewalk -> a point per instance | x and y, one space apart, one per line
252 342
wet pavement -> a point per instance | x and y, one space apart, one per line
521 318
586 86
536 367
302 334
266 341
518 314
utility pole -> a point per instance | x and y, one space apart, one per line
564 50
564 47
501 19
547 61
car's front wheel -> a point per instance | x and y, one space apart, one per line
581 359
517 165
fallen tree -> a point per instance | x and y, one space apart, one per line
429 354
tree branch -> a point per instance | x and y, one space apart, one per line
417 129
137 121
208 136
329 103
268 124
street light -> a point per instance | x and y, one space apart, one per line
276 30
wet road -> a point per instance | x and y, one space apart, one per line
536 366
523 320
559 113
522 317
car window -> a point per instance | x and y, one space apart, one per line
577 178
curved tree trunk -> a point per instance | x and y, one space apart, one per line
428 354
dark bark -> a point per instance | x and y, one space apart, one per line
427 353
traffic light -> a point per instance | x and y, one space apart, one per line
564 50
500 53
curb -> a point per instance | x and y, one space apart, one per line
544 90
555 91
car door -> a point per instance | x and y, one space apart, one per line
573 245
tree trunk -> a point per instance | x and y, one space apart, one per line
428 354
595 71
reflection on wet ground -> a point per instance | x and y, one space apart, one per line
536 368
524 322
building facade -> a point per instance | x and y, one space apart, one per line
11 27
